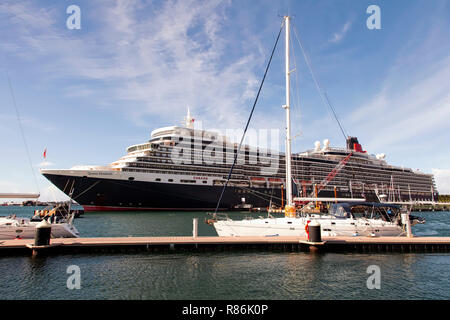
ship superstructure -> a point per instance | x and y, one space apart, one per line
181 167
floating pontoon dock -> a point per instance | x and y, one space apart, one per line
201 244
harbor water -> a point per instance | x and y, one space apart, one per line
236 275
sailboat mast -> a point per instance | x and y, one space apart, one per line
288 120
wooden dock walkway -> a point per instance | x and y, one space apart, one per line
200 244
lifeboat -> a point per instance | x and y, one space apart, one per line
258 180
276 181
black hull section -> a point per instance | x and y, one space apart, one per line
96 194
107 194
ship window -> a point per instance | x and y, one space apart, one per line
170 180
205 181
158 179
131 178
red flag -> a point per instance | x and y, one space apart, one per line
45 153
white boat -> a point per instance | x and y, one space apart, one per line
13 227
342 219
61 222
349 219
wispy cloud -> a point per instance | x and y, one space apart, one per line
420 107
45 164
155 65
442 178
338 36
10 123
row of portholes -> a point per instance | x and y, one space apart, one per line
157 179
120 203
171 180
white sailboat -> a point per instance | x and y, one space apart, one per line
344 219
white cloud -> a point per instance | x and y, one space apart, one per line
338 36
45 164
420 108
442 179
177 55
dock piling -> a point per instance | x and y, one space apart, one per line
314 232
407 223
195 227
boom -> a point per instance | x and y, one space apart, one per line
333 173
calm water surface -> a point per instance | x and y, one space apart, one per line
221 275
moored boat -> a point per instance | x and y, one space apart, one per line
12 227
338 219
342 219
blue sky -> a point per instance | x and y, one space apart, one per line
134 66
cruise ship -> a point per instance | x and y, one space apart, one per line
183 168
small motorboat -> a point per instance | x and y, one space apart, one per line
12 227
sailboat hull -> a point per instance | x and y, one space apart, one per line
330 227
14 229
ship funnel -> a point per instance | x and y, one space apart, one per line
353 144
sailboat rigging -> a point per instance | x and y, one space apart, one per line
13 227
342 219
248 122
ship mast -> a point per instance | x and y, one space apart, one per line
288 121
189 121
